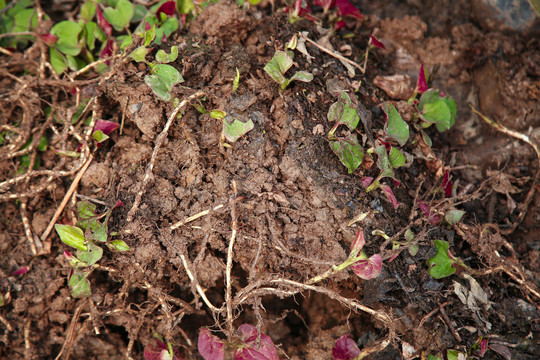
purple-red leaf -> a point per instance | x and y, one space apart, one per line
421 84
103 23
20 271
432 217
345 349
167 8
325 4
106 126
210 346
147 26
339 25
118 204
390 195
447 184
48 39
346 8
359 241
483 346
369 268
107 50
376 42
157 350
366 181
251 349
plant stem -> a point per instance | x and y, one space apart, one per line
353 257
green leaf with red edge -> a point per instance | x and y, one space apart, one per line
383 162
349 151
395 127
440 266
396 158
342 113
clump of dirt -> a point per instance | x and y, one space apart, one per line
237 234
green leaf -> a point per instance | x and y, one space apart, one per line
149 35
163 57
90 29
349 151
395 128
75 63
440 266
68 37
342 112
91 255
99 136
185 6
454 216
278 66
437 110
120 16
86 214
413 249
58 61
302 76
88 10
99 231
120 245
383 162
235 130
164 79
43 144
139 54
236 81
218 114
125 41
79 284
452 354
396 158
71 235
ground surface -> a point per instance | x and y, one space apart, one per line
293 202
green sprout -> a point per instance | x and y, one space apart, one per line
278 66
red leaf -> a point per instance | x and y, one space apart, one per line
369 268
147 26
483 347
421 84
157 350
390 195
106 126
346 8
103 23
376 42
210 346
366 181
107 50
252 350
339 25
325 4
20 271
118 204
432 217
359 241
447 184
48 39
168 8
345 348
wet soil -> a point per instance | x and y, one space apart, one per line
287 197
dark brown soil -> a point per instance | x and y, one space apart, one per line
293 200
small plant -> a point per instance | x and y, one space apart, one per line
251 345
278 66
86 236
442 264
233 129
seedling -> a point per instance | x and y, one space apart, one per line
442 264
347 148
85 237
437 108
233 129
162 80
236 81
278 66
251 345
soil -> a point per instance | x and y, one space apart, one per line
281 193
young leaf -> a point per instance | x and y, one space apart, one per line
437 110
440 266
218 114
99 136
301 76
88 9
71 235
106 126
368 268
447 184
278 66
383 162
68 37
346 8
421 84
164 79
120 245
79 284
103 23
236 81
358 243
163 57
91 255
210 346
376 43
120 16
454 216
396 158
390 195
342 113
349 151
395 127
235 130
345 348
139 54
167 8
252 349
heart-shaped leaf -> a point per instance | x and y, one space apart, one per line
440 266
67 33
342 113
349 151
278 66
345 348
120 16
210 346
164 78
163 57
